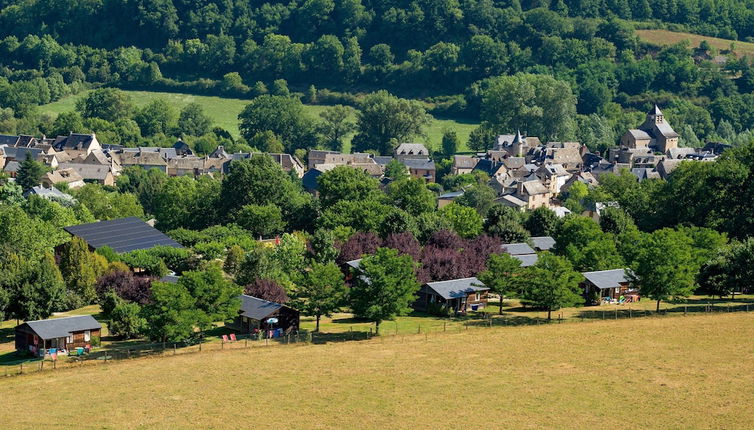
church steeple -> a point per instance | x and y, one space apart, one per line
655 116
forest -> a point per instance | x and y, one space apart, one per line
445 54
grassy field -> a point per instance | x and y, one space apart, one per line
684 372
665 37
224 112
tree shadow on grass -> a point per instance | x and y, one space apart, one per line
14 358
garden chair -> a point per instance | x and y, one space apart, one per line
225 338
232 337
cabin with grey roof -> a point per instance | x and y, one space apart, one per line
457 296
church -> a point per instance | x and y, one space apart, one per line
655 133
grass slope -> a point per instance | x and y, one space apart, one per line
684 372
224 112
665 37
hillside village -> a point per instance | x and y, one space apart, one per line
525 172
527 176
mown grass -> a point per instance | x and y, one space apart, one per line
224 113
682 372
665 37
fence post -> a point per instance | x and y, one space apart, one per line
175 349
444 326
222 344
603 314
41 364
200 345
22 368
616 313
54 364
685 309
419 330
246 343
629 312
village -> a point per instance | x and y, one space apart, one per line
525 174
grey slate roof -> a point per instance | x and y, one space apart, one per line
257 309
607 278
49 193
451 195
456 288
8 140
411 149
543 243
527 260
639 134
122 235
62 327
413 163
517 249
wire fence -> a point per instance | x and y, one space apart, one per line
104 355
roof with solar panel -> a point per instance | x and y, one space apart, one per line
122 235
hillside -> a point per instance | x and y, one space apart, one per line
607 374
224 112
665 37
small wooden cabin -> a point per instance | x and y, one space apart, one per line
458 295
62 334
255 314
608 284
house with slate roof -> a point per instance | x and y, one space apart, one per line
608 284
76 144
456 295
257 314
62 334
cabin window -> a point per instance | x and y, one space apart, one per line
478 297
69 338
87 336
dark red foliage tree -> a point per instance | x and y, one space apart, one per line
405 243
445 239
439 264
266 289
358 245
127 286
450 257
477 251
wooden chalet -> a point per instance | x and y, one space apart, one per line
609 285
58 335
458 295
257 314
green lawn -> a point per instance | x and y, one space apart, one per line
224 112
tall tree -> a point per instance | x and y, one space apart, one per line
346 183
193 121
552 284
322 291
30 173
336 125
538 104
78 268
385 288
281 115
664 267
503 276
385 120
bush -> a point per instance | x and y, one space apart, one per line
439 309
126 320
108 302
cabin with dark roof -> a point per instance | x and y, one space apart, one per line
456 295
608 285
122 235
256 314
57 335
